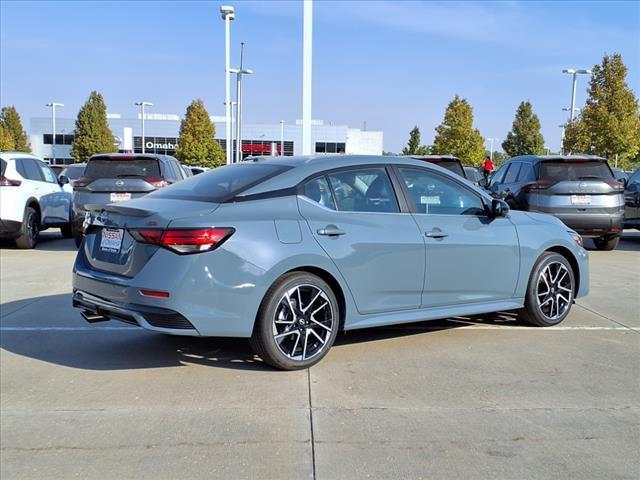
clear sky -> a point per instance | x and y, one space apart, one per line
390 64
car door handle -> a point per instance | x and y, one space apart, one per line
436 234
331 231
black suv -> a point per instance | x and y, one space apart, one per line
117 177
580 190
449 162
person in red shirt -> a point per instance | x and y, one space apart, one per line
487 166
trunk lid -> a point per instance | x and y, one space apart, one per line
109 247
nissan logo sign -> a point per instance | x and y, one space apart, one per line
119 183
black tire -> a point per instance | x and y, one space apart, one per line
533 312
66 231
606 244
295 325
77 236
30 229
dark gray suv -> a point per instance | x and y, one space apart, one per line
580 190
116 177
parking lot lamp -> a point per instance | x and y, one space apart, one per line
142 105
491 147
227 12
574 73
281 138
53 106
239 73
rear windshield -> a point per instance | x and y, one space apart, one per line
138 168
559 170
220 184
4 167
452 166
73 173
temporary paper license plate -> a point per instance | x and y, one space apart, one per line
111 240
120 197
580 199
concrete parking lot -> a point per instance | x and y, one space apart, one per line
479 398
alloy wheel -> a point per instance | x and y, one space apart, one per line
554 291
303 322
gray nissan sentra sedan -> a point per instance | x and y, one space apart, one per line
290 251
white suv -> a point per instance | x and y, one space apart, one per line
31 199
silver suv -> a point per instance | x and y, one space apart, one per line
580 190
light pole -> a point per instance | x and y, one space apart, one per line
228 14
281 138
491 147
239 73
53 106
562 139
142 105
574 72
307 58
234 118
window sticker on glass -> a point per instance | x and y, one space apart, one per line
430 200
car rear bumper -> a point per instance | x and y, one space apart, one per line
97 309
10 228
589 224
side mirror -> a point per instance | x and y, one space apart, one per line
483 182
63 180
499 208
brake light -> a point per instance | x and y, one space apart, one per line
614 184
82 182
158 182
538 185
7 182
184 240
154 293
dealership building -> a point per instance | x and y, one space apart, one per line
162 130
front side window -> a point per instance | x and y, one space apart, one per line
526 173
499 175
366 190
47 173
634 179
318 190
512 173
434 194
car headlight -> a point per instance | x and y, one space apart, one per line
576 237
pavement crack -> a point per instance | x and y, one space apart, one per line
313 443
607 318
35 300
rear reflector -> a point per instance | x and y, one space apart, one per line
7 182
154 293
184 240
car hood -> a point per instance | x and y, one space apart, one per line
537 217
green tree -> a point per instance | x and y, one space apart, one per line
414 147
197 145
10 120
6 140
92 134
456 135
525 137
498 157
609 124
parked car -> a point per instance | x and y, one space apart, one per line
187 171
619 174
289 251
632 201
473 174
57 169
449 162
31 199
580 190
73 172
117 177
198 170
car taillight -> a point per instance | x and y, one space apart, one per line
7 182
158 182
614 184
184 240
537 185
82 182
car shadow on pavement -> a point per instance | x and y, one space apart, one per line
64 338
49 241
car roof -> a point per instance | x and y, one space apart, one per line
433 157
128 156
544 158
302 167
12 155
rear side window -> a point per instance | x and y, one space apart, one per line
318 190
452 166
220 184
111 168
366 190
3 167
29 169
560 170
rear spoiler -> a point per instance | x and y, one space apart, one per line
120 209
